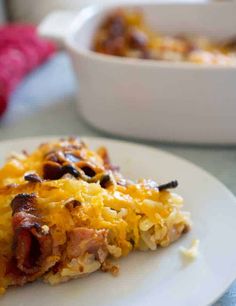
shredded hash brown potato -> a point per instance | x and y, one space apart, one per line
66 211
192 252
125 33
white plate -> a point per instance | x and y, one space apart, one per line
160 277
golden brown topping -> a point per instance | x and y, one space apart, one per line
70 169
115 24
71 204
33 178
124 33
71 160
137 39
106 181
88 170
52 171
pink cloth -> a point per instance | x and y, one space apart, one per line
21 51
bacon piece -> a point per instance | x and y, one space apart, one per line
32 244
23 202
103 153
84 240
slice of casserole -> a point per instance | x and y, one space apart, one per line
66 211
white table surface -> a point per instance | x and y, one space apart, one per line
44 104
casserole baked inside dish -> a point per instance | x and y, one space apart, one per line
125 33
66 211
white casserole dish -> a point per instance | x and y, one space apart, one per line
149 99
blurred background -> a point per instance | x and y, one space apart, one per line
34 11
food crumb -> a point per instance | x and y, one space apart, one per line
110 267
45 229
192 252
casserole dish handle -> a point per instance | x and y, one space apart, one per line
57 25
